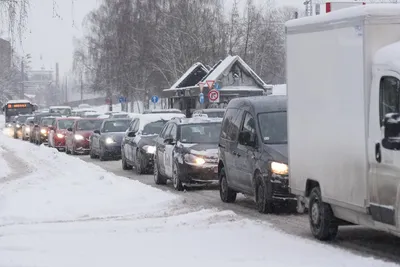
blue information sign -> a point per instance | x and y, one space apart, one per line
154 99
122 99
217 86
201 98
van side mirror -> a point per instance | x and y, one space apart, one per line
169 140
131 134
96 131
247 138
69 129
391 128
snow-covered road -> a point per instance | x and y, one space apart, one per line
66 212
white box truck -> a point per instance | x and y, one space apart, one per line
343 84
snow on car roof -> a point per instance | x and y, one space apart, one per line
152 117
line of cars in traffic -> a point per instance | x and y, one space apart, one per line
242 148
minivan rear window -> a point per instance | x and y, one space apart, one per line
273 127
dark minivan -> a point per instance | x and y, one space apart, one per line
253 152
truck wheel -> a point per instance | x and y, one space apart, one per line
227 195
176 178
322 220
158 178
263 200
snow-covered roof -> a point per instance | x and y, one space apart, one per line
239 88
193 68
148 118
389 56
224 67
16 101
55 107
389 11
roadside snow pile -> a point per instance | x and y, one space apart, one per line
70 213
67 188
4 169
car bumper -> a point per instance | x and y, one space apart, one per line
112 150
280 187
59 143
44 138
206 173
82 146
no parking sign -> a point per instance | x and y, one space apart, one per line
213 96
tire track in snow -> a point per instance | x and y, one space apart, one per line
359 240
18 167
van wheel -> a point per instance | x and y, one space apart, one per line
263 200
227 195
323 223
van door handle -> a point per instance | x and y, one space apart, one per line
378 154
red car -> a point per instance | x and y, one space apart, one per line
77 137
58 131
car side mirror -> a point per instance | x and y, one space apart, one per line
169 140
51 128
131 134
391 131
96 131
69 129
247 138
36 125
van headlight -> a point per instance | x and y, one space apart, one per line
78 137
60 135
279 168
18 125
109 141
27 129
192 159
43 131
150 149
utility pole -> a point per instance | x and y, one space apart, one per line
81 89
66 89
22 95
57 89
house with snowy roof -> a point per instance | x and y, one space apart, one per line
232 77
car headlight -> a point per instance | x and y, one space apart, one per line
279 168
27 129
109 141
43 131
150 149
60 135
189 158
78 137
18 125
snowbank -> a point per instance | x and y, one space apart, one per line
70 213
67 188
4 169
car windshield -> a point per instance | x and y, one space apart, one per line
88 125
116 126
215 114
62 111
47 121
273 126
21 119
200 133
120 116
153 127
65 124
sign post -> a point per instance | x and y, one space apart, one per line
154 99
213 96
201 85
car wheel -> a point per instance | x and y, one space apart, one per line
101 155
158 178
227 195
138 162
91 153
323 223
176 178
125 165
263 201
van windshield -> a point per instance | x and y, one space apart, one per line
273 126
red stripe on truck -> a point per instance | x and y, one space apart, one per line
328 7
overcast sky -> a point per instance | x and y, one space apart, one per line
51 29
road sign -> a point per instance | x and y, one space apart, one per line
154 99
201 84
122 99
213 96
210 84
217 86
201 98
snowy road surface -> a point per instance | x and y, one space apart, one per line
57 210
